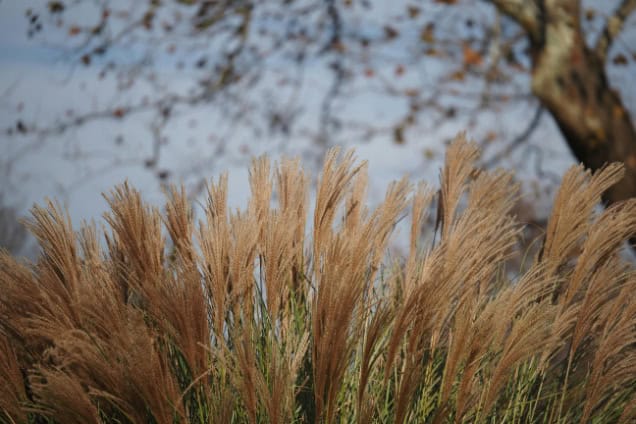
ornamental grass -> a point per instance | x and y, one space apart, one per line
270 315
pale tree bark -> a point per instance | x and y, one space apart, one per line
570 80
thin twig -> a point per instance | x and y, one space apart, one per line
519 140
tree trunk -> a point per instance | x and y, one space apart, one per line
570 80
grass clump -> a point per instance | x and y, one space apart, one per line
243 319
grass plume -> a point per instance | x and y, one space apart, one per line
244 316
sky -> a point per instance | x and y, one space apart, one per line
39 85
15 46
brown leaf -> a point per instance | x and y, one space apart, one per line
56 7
338 46
490 137
411 92
74 30
471 57
458 75
119 112
398 135
21 127
432 52
390 33
620 59
414 11
148 19
428 33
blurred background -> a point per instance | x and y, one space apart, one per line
93 92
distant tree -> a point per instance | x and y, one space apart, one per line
427 62
569 78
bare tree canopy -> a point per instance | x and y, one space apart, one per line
342 71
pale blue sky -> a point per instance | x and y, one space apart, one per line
14 44
48 89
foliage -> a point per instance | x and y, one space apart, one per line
244 319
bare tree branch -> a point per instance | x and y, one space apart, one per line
118 112
163 105
326 114
518 140
526 12
613 27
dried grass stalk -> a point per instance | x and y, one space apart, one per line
241 317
